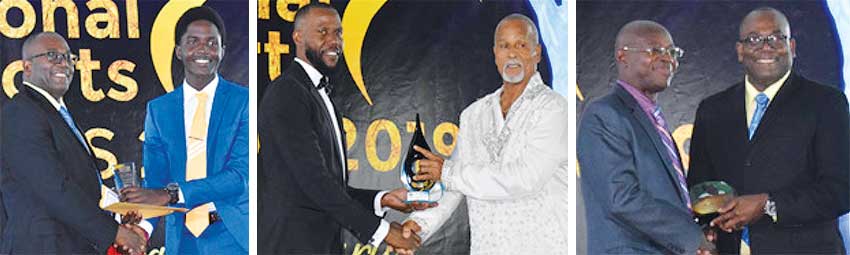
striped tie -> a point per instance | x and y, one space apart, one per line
198 219
660 126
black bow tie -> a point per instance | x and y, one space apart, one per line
324 84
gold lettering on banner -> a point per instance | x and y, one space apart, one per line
274 48
287 14
110 17
263 9
128 83
360 249
350 139
681 135
445 128
86 65
49 8
99 153
411 126
9 77
132 19
372 151
25 28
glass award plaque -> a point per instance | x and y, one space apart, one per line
418 191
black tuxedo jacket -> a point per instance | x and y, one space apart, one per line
304 200
799 155
49 183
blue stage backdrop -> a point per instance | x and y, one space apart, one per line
126 59
707 31
407 57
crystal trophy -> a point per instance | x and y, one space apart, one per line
418 191
708 197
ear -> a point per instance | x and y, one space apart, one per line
177 54
793 48
297 36
739 48
27 68
537 53
620 56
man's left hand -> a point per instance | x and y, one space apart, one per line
145 196
430 168
740 211
395 199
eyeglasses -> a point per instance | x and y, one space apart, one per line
674 52
775 41
56 57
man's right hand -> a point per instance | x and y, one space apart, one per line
396 238
129 240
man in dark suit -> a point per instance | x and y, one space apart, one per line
50 183
782 142
304 199
196 146
632 179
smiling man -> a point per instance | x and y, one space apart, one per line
632 178
511 157
304 198
196 147
782 142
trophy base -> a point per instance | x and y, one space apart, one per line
419 196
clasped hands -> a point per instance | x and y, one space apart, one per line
130 239
734 215
405 239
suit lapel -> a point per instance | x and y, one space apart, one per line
775 107
653 135
305 81
219 109
176 132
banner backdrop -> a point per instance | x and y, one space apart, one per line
707 31
126 53
407 57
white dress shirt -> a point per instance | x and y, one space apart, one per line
190 105
316 77
751 93
513 173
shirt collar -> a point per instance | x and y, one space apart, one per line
312 72
770 91
648 105
209 89
55 103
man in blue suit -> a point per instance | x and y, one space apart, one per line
632 179
196 147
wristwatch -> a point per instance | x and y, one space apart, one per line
770 208
173 192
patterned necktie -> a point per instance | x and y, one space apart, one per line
198 218
660 126
70 121
761 107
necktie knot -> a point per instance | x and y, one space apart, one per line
761 99
202 98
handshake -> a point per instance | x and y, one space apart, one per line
130 239
399 239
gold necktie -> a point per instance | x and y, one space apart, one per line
198 218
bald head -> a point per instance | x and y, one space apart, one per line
637 31
531 28
27 50
764 13
305 12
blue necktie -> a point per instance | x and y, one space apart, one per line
70 121
761 107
